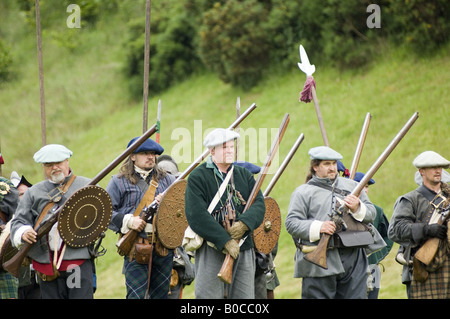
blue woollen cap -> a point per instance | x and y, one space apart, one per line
254 169
148 146
359 176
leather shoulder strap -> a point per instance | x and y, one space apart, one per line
331 189
50 203
147 198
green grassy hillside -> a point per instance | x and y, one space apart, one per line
89 110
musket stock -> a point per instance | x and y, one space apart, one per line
13 264
428 250
316 256
226 271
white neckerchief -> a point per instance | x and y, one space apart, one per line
142 172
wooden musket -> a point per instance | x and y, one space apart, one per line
13 264
226 271
319 255
428 250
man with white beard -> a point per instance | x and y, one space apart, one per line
33 209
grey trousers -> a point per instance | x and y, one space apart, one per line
208 262
352 284
72 284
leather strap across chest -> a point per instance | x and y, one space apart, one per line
50 203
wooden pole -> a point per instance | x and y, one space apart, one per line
146 63
359 147
41 74
238 113
319 117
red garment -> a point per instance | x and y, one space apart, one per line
306 93
47 269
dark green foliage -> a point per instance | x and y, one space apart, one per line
5 62
234 43
240 39
424 24
173 54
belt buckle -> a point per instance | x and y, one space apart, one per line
57 196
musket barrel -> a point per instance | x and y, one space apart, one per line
359 147
369 174
283 165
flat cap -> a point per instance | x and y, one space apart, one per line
324 153
254 169
219 136
359 176
430 159
52 153
148 146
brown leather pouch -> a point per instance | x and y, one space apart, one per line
142 252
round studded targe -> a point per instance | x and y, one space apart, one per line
266 235
171 221
84 216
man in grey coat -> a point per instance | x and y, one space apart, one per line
308 218
414 221
74 277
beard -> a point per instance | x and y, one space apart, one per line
57 177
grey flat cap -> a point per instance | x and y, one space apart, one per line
430 159
324 153
219 136
52 153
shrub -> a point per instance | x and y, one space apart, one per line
233 42
173 54
424 24
5 62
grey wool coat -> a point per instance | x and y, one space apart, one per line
310 203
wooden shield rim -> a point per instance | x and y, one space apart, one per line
96 227
172 238
265 241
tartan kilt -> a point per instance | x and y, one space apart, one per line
136 277
8 286
437 284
